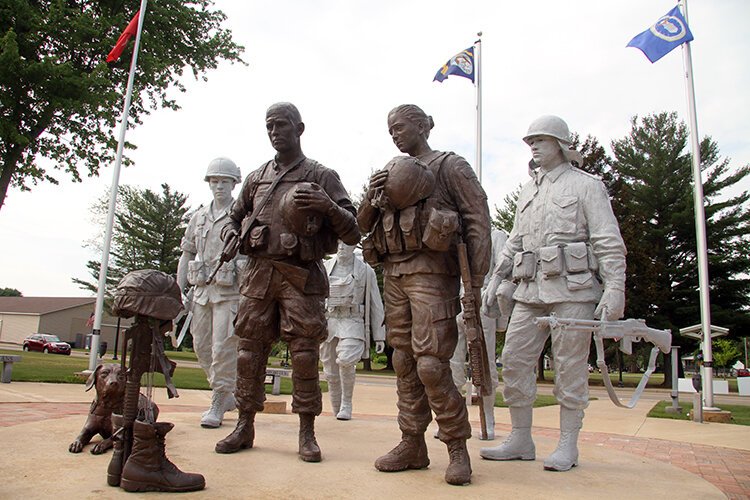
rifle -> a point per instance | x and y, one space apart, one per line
230 250
627 331
480 370
187 310
147 347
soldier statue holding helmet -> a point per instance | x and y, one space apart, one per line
416 211
213 305
565 256
290 213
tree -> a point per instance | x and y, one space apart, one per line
59 101
505 215
655 210
725 352
10 292
147 234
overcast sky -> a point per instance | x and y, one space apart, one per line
346 63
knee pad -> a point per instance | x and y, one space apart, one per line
430 370
305 365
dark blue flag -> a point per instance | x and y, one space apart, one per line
670 31
462 64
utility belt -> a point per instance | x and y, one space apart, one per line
199 270
261 240
410 229
553 261
342 311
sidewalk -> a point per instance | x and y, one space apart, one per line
623 453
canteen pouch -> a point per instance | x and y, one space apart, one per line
288 242
392 236
225 275
442 225
408 221
197 274
369 252
550 261
524 266
258 237
580 281
576 257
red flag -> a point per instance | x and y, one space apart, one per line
129 32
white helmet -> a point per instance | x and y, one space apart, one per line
554 126
223 167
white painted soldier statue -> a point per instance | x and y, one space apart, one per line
214 306
355 315
564 256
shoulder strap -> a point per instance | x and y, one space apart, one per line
266 197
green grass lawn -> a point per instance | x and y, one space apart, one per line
740 414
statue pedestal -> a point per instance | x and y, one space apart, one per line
277 407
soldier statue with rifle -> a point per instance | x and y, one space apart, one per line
419 211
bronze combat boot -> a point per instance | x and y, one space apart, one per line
459 468
309 451
149 469
114 470
410 453
241 437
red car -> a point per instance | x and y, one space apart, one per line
45 343
743 372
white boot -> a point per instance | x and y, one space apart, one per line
219 404
334 391
565 455
518 445
347 391
488 407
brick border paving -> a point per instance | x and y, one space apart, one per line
726 468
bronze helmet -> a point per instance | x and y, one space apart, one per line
409 181
301 222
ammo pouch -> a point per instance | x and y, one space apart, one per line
369 251
442 226
226 274
257 238
392 233
551 261
197 272
576 257
408 221
524 266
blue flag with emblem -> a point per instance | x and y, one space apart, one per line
462 64
670 31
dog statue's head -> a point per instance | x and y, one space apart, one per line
109 381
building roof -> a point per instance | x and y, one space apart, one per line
41 305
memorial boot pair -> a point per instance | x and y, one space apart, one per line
148 468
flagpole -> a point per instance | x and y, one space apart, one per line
478 68
96 332
700 227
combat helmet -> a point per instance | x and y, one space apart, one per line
147 292
223 167
302 222
409 181
554 126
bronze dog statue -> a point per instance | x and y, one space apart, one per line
109 381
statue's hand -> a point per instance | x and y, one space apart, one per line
611 305
379 346
377 181
313 199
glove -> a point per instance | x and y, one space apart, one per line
379 346
488 297
612 305
504 297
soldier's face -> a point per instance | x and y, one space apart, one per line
546 151
221 187
404 133
345 251
283 132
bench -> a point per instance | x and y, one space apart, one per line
8 361
273 377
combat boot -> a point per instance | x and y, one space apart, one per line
114 470
221 402
241 437
518 445
149 469
459 468
309 451
565 455
410 453
347 391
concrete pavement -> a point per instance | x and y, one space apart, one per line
623 453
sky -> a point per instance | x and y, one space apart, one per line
346 63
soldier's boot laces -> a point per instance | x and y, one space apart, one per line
410 453
242 436
309 451
459 468
221 402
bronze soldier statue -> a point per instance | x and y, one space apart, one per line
290 213
417 210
